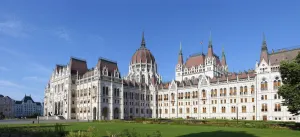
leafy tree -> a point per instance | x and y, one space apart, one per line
290 90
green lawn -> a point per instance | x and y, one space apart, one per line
183 130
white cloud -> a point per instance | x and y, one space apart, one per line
63 34
3 69
13 28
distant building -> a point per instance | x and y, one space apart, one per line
6 106
27 107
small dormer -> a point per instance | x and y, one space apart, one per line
105 71
116 74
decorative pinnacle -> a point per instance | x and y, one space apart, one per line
264 43
223 52
180 49
210 40
143 43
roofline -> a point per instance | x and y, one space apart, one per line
105 59
297 47
79 59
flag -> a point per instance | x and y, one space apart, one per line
201 42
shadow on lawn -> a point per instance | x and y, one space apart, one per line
219 134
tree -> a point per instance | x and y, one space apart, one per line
290 90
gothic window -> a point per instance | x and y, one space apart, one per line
143 79
203 93
241 90
243 109
276 83
245 90
223 109
277 107
264 108
264 84
252 89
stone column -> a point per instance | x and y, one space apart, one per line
122 102
111 101
99 99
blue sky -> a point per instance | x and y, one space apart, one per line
36 35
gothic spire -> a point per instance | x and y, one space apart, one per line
180 49
223 57
180 57
143 43
264 55
210 41
210 52
264 43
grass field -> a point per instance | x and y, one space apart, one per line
181 130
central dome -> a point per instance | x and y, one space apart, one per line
142 55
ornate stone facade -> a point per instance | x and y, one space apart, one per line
203 88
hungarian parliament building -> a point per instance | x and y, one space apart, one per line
203 88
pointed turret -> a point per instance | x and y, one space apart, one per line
180 57
210 52
264 50
143 43
223 58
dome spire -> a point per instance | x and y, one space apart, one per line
143 43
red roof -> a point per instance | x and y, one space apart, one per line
142 55
195 60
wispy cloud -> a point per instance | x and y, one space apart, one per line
63 34
6 83
13 28
36 79
40 68
3 69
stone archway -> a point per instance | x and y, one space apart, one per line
94 113
116 113
105 113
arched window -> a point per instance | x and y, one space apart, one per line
252 89
204 110
233 109
221 92
173 96
212 93
224 92
195 110
215 93
276 83
214 109
277 107
231 91
245 90
264 108
243 109
264 84
223 109
234 91
203 93
143 79
241 90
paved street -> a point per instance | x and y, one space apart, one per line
29 121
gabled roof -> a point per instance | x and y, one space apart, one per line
110 65
27 98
